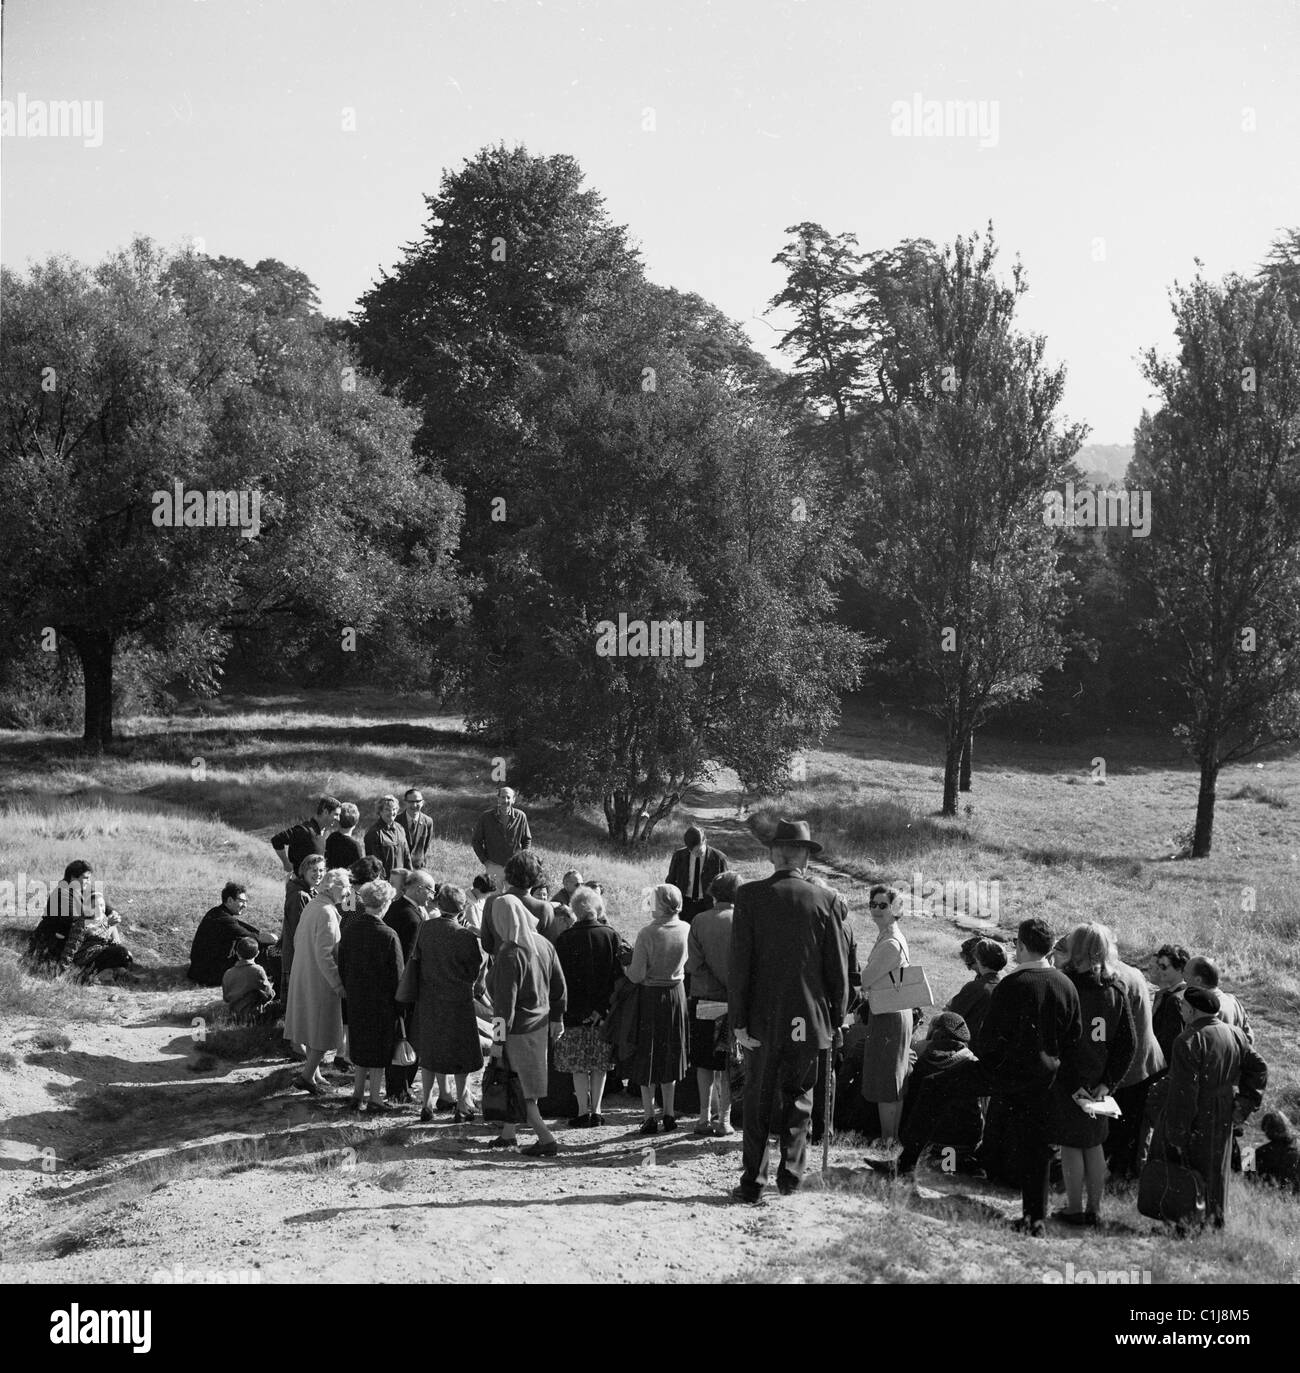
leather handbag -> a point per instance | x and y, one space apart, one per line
908 989
1172 1192
403 1053
501 1095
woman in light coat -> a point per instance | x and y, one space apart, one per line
886 1058
314 1011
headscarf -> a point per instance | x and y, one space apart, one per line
666 903
514 923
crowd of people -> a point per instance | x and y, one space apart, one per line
754 989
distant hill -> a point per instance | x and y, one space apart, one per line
1104 462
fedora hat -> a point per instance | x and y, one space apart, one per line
793 832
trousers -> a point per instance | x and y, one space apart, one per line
966 1083
779 1082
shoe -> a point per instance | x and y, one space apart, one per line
787 1186
1069 1217
579 1122
315 1088
1091 1219
594 1120
341 1065
353 1103
723 1128
1035 1229
751 1196
649 1126
444 1103
886 1167
500 1143
704 1128
426 1114
460 1117
670 1122
380 1108
540 1150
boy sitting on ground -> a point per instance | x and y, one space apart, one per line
245 988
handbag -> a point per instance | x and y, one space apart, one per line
501 1095
1171 1191
403 1054
908 989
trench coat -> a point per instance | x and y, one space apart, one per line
314 1010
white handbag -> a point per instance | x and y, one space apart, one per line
907 989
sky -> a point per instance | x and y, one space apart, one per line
1122 139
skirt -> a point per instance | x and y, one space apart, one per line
526 1054
1072 1127
885 1056
709 1041
583 1049
660 1037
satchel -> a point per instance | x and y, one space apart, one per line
501 1095
1171 1191
908 989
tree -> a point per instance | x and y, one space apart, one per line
150 371
1222 562
678 505
967 443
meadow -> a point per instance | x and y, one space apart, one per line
189 801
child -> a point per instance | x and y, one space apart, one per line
245 988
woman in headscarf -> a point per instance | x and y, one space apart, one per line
886 1055
314 1011
528 992
370 968
658 968
441 981
1101 1059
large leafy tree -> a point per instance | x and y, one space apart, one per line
1221 566
152 369
967 442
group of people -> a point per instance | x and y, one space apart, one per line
755 986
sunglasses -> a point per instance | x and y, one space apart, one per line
880 905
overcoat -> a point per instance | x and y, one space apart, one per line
314 1010
370 968
441 979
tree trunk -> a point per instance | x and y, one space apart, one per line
1204 833
967 748
618 814
951 769
95 648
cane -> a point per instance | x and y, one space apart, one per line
828 1113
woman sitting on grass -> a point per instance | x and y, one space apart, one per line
314 1013
370 968
79 930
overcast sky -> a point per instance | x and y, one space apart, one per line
1122 148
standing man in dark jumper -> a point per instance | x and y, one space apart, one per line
691 869
1030 1033
292 845
787 990
500 833
417 825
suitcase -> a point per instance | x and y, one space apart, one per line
1172 1192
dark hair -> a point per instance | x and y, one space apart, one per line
1276 1125
524 870
367 869
1206 970
991 954
539 889
327 803
968 951
232 889
725 886
1036 935
482 883
409 790
76 870
246 947
1174 954
694 835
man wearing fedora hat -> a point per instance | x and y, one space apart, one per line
787 992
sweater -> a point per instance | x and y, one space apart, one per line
659 954
1032 1028
708 951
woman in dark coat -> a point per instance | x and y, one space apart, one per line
444 975
589 957
370 966
1101 1060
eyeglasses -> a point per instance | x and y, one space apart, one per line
880 905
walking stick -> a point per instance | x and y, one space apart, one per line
828 1113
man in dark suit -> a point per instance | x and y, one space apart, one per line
211 952
417 827
691 869
787 991
404 917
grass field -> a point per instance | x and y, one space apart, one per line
189 802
